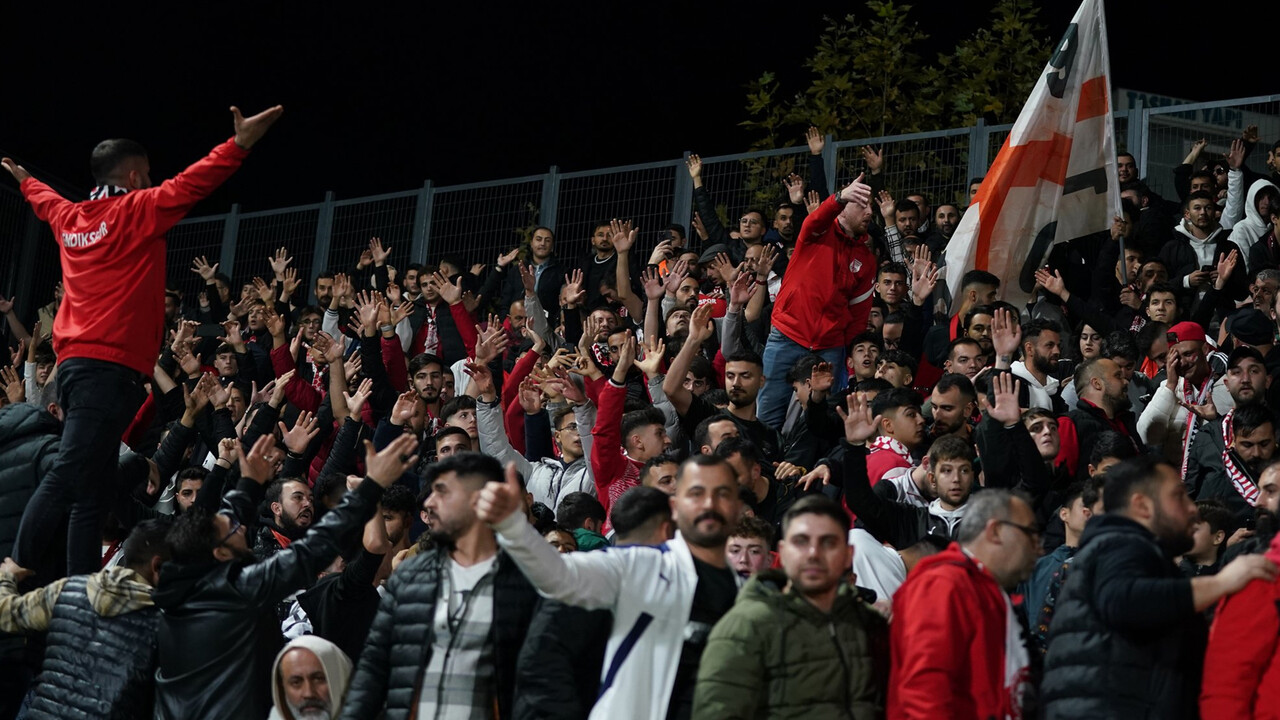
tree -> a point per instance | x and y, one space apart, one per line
864 80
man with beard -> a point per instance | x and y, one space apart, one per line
1128 632
1198 244
287 516
1103 405
309 680
450 626
1167 421
953 402
1041 348
216 602
686 584
946 218
1228 471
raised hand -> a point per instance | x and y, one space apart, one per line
795 188
694 164
1006 388
1006 334
325 350
651 279
260 396
249 130
379 252
678 273
701 326
651 363
277 391
821 379
356 400
6 306
449 292
626 358
822 474
1226 266
568 388
274 321
18 172
14 389
741 290
498 501
228 450
304 430
528 278
812 201
700 228
622 235
367 311
573 292
279 262
1052 282
874 159
394 460
530 396
265 291
1172 368
815 140
1235 156
508 258
661 251
189 362
888 207
768 256
859 425
924 277
481 380
351 368
857 192
201 267
1249 135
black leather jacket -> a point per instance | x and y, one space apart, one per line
218 633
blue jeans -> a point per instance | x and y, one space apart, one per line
781 353
98 399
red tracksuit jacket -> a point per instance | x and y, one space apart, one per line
826 292
113 260
1242 663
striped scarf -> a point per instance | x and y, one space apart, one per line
1239 478
884 442
1191 396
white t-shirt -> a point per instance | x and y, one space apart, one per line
877 567
461 632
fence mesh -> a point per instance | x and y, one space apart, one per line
756 183
935 166
260 234
185 242
13 227
644 196
390 219
474 225
1170 136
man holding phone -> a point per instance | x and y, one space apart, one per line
1199 244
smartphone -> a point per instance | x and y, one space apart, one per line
1171 337
210 330
1206 268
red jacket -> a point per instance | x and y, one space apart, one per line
826 292
613 471
947 642
1242 663
113 260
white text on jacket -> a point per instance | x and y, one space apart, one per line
84 239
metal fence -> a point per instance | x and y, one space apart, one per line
473 223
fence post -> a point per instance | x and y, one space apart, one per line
1134 129
422 223
550 198
979 140
324 237
230 230
829 162
682 205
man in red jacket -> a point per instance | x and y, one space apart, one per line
110 325
957 649
825 297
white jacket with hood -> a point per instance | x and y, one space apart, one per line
1253 227
337 670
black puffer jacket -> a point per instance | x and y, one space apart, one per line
28 446
97 666
219 633
1126 641
400 640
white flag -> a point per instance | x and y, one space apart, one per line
1055 177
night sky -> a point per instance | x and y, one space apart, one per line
378 101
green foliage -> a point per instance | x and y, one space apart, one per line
865 80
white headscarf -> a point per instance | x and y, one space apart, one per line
337 669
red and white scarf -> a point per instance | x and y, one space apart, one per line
1242 482
884 442
1191 396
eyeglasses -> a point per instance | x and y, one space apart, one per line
569 427
236 527
1031 532
313 322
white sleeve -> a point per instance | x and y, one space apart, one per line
329 324
1159 415
404 329
1233 212
591 580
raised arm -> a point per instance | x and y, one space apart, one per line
700 329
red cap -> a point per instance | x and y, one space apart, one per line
1188 332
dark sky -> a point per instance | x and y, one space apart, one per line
379 100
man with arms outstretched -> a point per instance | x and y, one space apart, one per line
111 321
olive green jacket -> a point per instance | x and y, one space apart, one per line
774 655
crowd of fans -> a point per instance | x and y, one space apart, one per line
759 469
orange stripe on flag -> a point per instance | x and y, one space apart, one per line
1016 166
1093 98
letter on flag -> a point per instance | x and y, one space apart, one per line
1055 177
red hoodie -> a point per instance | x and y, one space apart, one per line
113 266
826 292
1242 663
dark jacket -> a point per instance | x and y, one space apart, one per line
101 655
559 668
219 633
28 446
341 607
1089 421
505 286
386 680
775 655
1126 641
